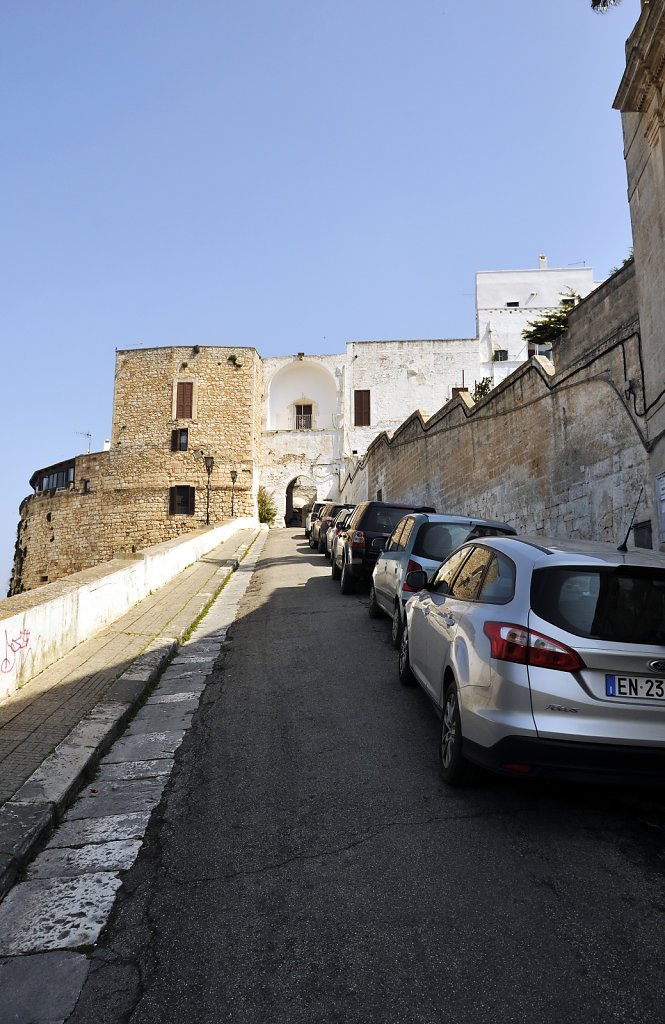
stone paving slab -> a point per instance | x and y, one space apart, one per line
78 832
41 988
145 746
116 855
133 770
117 797
56 913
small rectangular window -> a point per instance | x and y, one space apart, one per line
512 305
179 439
184 397
182 501
361 408
500 355
303 417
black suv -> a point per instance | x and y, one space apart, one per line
356 554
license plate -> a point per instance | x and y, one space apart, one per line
634 686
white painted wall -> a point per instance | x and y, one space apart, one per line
500 326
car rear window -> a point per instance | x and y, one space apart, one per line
381 519
626 605
437 540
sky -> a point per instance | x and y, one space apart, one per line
287 174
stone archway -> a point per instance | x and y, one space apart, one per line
300 494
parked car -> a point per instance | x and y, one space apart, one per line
335 528
543 656
317 537
312 515
420 541
359 543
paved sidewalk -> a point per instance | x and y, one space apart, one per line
55 729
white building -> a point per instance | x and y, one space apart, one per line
506 300
320 412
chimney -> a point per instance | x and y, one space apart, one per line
107 445
542 261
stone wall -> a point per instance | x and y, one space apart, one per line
560 454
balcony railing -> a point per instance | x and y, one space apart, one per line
303 421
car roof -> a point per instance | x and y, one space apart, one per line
435 517
544 551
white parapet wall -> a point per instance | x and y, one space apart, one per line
43 625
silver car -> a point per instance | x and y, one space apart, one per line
543 656
419 541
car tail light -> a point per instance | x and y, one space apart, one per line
357 539
526 647
411 567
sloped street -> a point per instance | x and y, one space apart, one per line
307 864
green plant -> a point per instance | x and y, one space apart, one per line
267 507
550 325
196 349
482 388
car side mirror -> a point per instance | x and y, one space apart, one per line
416 579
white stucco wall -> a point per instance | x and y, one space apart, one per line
537 291
403 376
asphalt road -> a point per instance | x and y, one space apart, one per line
307 864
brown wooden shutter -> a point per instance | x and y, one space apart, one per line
171 501
192 500
174 440
184 400
361 411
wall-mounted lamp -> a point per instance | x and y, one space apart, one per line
209 463
234 477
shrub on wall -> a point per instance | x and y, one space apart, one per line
267 506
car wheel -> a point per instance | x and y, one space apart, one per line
312 542
405 674
397 628
456 770
346 581
335 569
374 610
322 544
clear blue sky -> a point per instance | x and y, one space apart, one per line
287 174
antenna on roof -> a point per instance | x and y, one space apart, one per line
622 547
84 433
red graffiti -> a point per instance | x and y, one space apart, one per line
16 651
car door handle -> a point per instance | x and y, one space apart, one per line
448 619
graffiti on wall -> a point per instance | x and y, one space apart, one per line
17 651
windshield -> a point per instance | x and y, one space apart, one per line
626 604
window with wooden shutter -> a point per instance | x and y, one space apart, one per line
361 402
185 392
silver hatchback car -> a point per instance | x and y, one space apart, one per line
543 656
420 540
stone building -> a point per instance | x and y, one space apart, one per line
173 409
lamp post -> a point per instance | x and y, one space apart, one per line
209 463
234 477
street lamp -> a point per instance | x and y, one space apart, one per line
234 477
209 463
